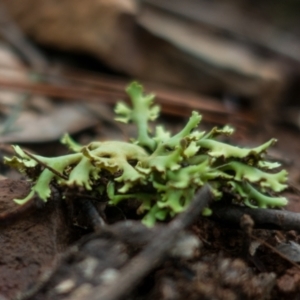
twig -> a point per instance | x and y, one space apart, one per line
46 166
131 275
263 218
169 104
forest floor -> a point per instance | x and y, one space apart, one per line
51 251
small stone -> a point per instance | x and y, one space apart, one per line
65 286
109 275
186 246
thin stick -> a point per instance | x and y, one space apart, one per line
132 274
46 166
263 218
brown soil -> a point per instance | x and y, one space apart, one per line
31 238
226 263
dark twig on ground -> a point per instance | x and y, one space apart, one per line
263 218
132 274
57 173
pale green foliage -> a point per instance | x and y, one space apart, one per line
160 170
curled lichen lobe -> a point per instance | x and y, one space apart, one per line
173 166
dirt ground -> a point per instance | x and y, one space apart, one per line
51 252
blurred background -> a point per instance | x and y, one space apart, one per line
63 64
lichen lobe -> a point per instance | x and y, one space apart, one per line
173 166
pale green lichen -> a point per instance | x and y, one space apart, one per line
160 170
